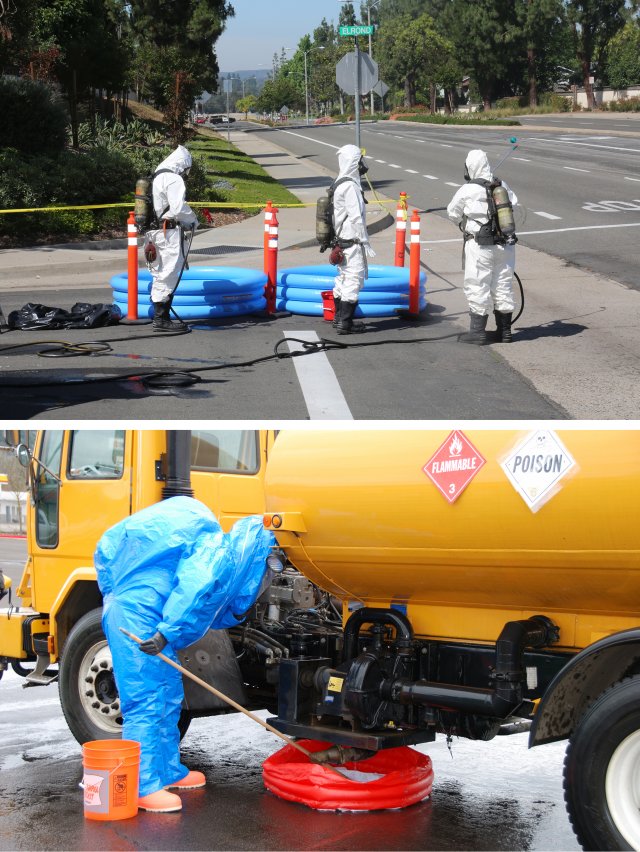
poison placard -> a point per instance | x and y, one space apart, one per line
537 465
453 465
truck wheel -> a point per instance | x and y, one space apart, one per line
602 770
88 691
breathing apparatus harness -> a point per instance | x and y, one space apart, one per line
500 229
148 221
326 234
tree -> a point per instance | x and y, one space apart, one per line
347 15
180 38
91 54
278 93
414 53
537 19
594 23
485 35
247 104
622 67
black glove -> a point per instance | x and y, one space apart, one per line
154 645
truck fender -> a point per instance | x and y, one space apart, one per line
78 595
586 676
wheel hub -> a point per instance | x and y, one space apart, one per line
97 689
622 789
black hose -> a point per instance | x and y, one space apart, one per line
519 314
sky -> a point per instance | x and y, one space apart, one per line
262 27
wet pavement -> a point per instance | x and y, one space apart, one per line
495 795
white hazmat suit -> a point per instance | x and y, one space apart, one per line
350 225
488 269
169 194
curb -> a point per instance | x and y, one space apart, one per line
380 225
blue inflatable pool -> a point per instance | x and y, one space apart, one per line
219 291
385 291
203 292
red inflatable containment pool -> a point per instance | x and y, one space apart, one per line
394 778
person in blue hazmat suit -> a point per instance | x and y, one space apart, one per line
350 226
488 264
175 216
167 574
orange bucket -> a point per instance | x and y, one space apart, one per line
110 780
328 306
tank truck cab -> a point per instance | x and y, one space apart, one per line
80 483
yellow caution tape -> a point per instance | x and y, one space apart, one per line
234 205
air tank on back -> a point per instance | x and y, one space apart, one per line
362 517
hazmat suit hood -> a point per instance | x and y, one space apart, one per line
477 164
348 160
178 161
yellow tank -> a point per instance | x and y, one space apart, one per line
361 517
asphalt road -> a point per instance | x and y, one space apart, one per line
578 192
493 796
575 352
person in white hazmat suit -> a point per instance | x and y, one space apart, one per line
350 225
175 215
488 265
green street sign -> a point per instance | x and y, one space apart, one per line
357 30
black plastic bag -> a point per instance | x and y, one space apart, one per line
81 315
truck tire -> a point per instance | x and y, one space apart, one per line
88 692
601 770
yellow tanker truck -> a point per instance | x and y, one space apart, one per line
459 582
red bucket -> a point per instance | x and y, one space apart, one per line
392 778
328 305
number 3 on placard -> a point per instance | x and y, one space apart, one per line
452 489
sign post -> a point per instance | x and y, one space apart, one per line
356 73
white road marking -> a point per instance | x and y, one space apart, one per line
573 169
545 215
444 145
411 171
311 139
395 136
549 231
381 161
565 138
449 183
591 145
522 159
630 178
430 177
394 166
320 387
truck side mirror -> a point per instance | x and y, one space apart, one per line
23 454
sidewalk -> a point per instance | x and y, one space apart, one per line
577 342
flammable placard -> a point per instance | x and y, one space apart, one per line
453 465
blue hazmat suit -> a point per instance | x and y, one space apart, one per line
170 568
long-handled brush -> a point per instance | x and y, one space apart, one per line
237 706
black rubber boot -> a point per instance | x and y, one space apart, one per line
503 324
346 323
337 301
477 333
161 320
